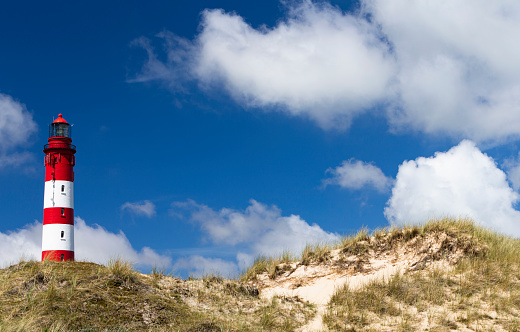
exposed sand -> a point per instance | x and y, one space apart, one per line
317 283
319 289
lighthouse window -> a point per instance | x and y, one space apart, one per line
62 211
62 234
62 188
59 130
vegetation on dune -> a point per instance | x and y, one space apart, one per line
272 266
479 288
77 295
80 296
471 281
481 291
275 266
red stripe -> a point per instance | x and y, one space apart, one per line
53 215
55 255
61 168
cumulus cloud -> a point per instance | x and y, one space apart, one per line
459 72
356 174
258 230
16 127
144 208
22 243
439 67
92 243
96 244
318 62
462 182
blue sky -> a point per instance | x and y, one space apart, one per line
211 132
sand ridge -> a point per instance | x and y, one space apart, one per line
317 283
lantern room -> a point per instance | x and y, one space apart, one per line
60 128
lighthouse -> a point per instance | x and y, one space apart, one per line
58 201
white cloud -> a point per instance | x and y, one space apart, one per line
92 243
199 266
355 174
459 72
462 182
25 242
144 208
318 62
96 244
451 67
16 123
259 230
16 127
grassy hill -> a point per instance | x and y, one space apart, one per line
79 296
446 275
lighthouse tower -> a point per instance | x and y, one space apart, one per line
58 202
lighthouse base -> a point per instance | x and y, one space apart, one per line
58 255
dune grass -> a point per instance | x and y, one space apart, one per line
480 292
272 265
81 296
78 295
275 266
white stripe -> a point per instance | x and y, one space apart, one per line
52 240
59 194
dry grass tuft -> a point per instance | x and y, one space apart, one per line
272 266
315 254
122 273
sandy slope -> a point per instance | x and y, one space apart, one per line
316 283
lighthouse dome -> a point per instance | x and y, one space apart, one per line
60 119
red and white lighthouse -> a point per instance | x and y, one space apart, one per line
58 202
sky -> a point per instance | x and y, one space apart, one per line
210 133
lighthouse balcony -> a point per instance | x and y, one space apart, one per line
59 146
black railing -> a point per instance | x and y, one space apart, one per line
70 146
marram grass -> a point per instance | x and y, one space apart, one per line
81 296
481 292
